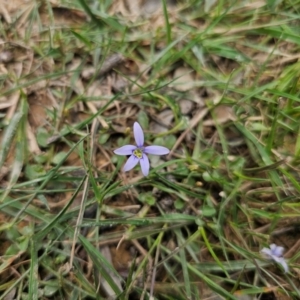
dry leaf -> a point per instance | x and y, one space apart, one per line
162 121
222 114
127 8
88 72
32 142
62 16
151 7
6 56
11 294
38 106
183 79
186 106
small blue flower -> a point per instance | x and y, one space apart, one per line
138 153
275 253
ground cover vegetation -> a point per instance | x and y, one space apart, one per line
214 84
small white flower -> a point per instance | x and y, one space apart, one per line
275 253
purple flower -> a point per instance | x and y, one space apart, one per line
275 253
138 153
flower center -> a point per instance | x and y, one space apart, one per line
138 153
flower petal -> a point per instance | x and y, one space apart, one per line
278 251
130 163
156 150
277 259
138 134
145 165
267 252
125 150
283 264
275 253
